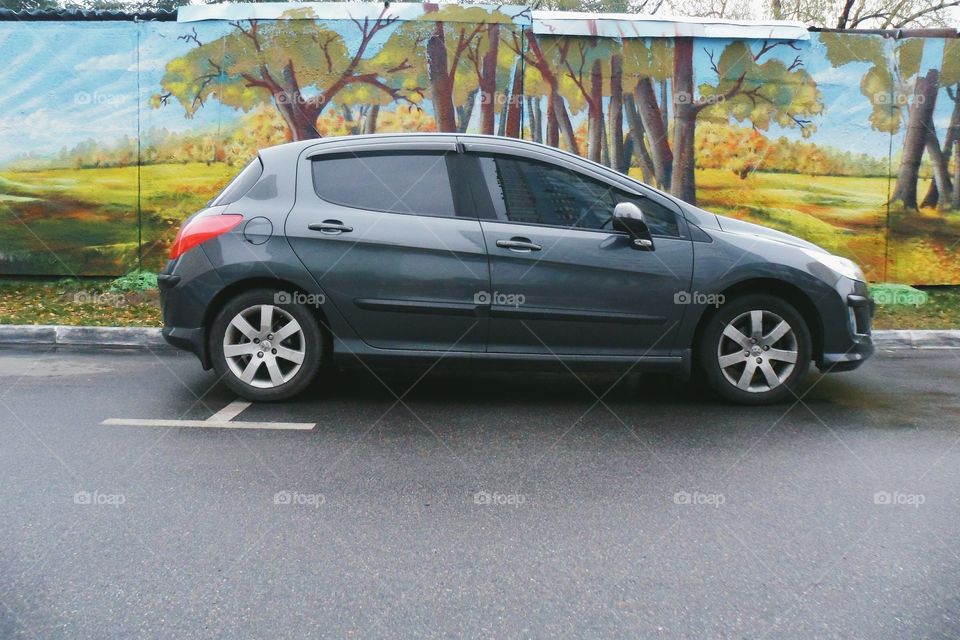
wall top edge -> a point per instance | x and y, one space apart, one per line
625 25
403 11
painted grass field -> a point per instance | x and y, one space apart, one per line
845 215
70 221
73 221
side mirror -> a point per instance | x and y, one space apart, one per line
628 217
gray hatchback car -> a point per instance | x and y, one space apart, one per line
466 250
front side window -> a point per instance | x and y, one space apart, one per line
396 182
533 192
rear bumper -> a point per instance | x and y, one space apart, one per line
188 339
186 287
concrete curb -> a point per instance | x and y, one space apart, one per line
60 335
917 339
150 338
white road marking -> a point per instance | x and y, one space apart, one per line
222 419
229 412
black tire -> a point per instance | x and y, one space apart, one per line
714 343
308 345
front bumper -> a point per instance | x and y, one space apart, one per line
849 347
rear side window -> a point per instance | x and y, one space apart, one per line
395 182
239 186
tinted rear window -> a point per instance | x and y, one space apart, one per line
239 186
396 182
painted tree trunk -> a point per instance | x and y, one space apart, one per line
933 196
915 139
533 119
563 121
615 115
665 103
604 143
553 125
502 120
941 175
595 112
441 82
514 105
955 200
650 116
465 112
685 120
636 134
370 121
301 119
488 80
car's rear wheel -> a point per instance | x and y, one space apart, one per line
756 350
264 347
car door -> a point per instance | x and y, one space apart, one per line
562 280
380 229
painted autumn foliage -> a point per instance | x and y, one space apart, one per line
800 135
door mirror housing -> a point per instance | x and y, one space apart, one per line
628 218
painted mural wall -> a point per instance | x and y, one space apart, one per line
112 133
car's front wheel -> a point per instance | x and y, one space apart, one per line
756 350
264 347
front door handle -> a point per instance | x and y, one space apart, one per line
330 227
518 244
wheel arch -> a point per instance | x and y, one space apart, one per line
782 289
277 284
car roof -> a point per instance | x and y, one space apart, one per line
291 150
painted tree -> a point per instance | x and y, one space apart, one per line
439 48
749 86
903 96
297 64
648 64
542 81
581 62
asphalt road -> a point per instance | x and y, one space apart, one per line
496 506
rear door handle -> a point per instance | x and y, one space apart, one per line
518 244
331 227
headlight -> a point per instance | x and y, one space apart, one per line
840 266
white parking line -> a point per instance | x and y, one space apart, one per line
222 419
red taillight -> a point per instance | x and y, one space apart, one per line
201 229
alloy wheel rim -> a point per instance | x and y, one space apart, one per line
264 346
758 351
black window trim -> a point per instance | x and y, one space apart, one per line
483 199
461 211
